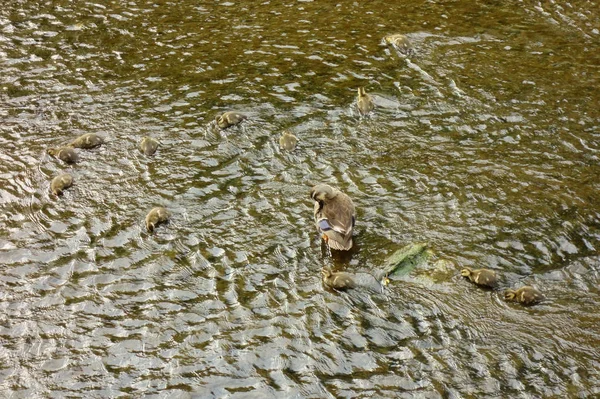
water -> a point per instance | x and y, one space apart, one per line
484 144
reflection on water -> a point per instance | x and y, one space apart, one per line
483 143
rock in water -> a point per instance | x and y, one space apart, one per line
405 260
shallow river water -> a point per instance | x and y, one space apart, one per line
485 143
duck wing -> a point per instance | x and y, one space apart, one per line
335 219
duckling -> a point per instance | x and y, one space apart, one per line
155 217
148 145
61 183
337 280
364 102
65 154
87 141
288 141
526 295
229 118
401 43
483 277
334 215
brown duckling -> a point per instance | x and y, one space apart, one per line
483 277
87 141
334 215
364 102
61 183
526 295
65 154
288 141
155 217
148 145
400 42
229 118
337 280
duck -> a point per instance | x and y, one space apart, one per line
155 217
61 183
337 280
401 42
229 118
334 216
364 102
148 145
288 141
526 295
87 141
482 277
65 154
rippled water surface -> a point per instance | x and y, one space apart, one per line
485 143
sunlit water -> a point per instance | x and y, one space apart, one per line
485 144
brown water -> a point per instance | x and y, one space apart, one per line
485 144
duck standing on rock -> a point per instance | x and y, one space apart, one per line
337 280
155 217
364 102
526 295
482 277
229 118
334 215
61 183
65 154
87 141
148 145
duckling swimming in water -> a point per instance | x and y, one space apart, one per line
155 217
364 102
61 183
483 277
337 280
400 42
288 141
334 215
526 295
87 141
148 145
229 118
65 154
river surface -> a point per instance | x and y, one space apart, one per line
485 143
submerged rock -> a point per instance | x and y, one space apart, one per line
405 260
